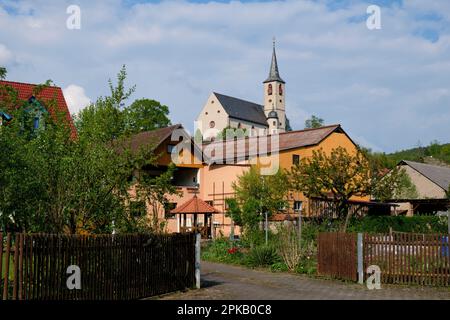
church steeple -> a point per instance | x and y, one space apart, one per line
274 74
274 97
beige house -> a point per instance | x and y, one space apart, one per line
222 111
432 183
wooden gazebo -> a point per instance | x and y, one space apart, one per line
195 207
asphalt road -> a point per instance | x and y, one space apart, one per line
225 282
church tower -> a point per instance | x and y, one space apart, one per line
274 96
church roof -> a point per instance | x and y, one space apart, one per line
274 74
242 110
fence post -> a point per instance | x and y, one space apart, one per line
360 259
197 260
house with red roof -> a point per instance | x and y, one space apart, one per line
38 100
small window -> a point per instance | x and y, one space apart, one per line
169 207
274 123
212 102
137 208
295 159
297 205
270 90
280 89
212 124
170 148
206 113
270 100
36 123
218 111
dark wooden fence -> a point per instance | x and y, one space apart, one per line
337 255
113 267
406 258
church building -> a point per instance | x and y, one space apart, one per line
222 112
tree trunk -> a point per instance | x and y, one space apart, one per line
343 211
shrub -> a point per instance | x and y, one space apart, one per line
288 246
223 250
261 256
279 266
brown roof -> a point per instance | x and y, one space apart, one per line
287 140
150 138
195 205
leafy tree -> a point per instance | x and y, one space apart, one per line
255 195
395 184
104 120
146 115
230 133
155 192
51 182
314 122
3 73
339 174
110 118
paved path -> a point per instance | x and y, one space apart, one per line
227 282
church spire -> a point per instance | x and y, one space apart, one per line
274 74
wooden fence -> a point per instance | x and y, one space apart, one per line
336 255
113 267
405 258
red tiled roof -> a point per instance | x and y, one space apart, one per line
47 94
195 205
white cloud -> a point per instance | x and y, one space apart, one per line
5 54
390 86
75 98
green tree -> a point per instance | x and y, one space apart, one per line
104 120
257 194
51 182
314 122
339 174
154 191
396 184
146 115
3 73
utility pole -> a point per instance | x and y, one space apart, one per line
267 229
300 225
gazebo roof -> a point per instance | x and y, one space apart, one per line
195 205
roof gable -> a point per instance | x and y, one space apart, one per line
437 174
25 92
242 109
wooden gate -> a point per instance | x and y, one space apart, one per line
407 258
337 257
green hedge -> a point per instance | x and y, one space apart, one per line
416 224
378 224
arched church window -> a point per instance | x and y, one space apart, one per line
269 90
280 89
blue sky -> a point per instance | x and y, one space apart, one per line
389 88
